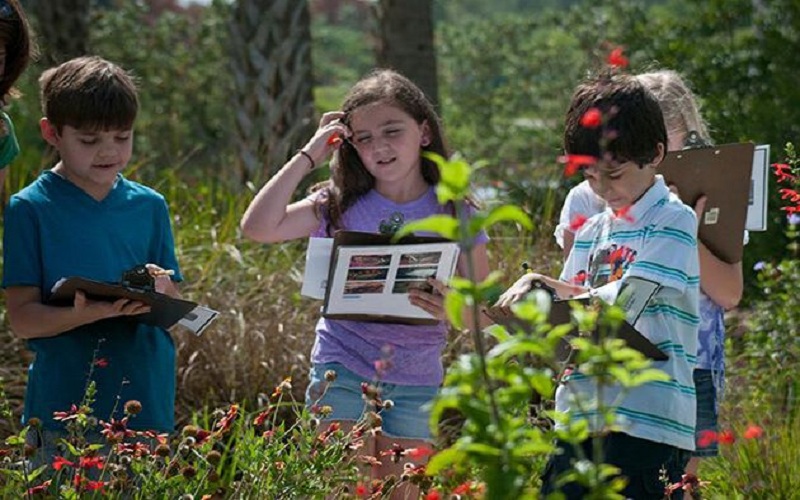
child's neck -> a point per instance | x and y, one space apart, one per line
403 192
96 191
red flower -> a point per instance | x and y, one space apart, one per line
783 172
624 213
616 59
261 417
592 118
726 437
39 489
463 488
577 222
433 495
417 453
116 430
792 210
753 432
361 490
334 140
706 438
63 416
226 422
395 452
791 194
576 162
59 462
101 362
89 462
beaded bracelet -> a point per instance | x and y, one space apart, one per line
310 159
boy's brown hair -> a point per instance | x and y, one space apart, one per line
89 93
633 124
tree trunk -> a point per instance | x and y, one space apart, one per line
271 67
63 26
406 42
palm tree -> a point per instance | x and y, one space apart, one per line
63 26
270 50
405 35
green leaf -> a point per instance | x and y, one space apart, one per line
508 213
454 303
444 225
444 460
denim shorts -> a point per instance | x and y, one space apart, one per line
407 418
706 412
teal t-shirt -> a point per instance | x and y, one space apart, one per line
53 229
9 147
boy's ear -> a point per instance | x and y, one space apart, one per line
662 151
49 132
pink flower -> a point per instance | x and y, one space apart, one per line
753 432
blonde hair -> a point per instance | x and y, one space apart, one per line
678 104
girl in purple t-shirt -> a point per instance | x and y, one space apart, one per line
379 179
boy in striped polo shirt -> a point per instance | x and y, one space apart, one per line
645 232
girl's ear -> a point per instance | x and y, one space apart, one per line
425 140
49 132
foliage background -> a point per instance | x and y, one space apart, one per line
506 72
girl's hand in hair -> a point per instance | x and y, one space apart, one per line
329 135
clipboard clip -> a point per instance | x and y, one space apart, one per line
694 141
138 278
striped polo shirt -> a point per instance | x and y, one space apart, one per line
655 240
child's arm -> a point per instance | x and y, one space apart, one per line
523 286
270 217
30 318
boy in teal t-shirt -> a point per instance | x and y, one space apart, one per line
83 218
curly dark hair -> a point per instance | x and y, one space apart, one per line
15 34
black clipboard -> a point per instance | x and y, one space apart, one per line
561 313
165 311
723 174
358 238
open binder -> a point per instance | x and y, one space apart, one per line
561 313
369 277
723 174
165 311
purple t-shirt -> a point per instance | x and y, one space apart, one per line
415 350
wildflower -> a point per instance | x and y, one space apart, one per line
162 450
369 390
117 430
726 437
213 457
782 172
616 59
101 362
268 435
388 404
284 386
133 407
395 452
592 118
463 488
706 438
72 414
325 410
418 453
135 449
382 366
361 490
89 462
580 278
226 422
261 417
334 140
624 213
790 194
190 430
759 265
280 465
433 495
573 163
330 375
188 472
34 422
577 222
28 450
793 219
753 432
59 462
160 438
39 489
